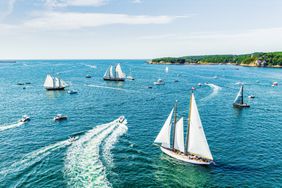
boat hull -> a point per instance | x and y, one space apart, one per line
115 79
51 89
184 158
241 105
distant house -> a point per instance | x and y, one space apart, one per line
261 63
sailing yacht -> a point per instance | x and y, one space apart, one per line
54 83
196 149
114 73
239 100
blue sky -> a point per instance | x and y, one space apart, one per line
108 29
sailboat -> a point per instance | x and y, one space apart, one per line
54 83
239 100
196 149
114 73
166 69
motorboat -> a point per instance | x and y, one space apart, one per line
60 117
24 119
275 84
20 83
200 84
159 82
121 119
251 96
88 76
149 87
130 78
73 138
71 92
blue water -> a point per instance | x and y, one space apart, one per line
246 144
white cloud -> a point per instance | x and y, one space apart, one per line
9 7
137 1
65 3
71 20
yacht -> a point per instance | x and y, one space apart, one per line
60 117
159 82
24 119
54 83
114 73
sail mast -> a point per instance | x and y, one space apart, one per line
188 127
242 94
174 127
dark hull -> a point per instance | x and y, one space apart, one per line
114 79
52 89
241 105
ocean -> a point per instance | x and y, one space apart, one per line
246 144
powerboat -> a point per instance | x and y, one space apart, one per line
159 82
275 84
121 119
200 84
72 92
60 117
251 97
88 76
130 78
24 119
73 138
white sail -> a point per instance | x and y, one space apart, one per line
164 135
239 98
107 73
63 83
49 82
179 136
197 143
57 82
119 73
112 75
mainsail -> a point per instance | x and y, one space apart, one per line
49 82
197 143
239 98
119 73
179 136
107 73
164 135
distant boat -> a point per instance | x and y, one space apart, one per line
24 119
196 150
60 117
251 96
130 77
88 76
71 92
54 83
159 82
200 84
166 69
176 80
275 84
114 73
239 100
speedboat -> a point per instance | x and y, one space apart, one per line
73 138
88 76
199 84
275 84
72 92
60 117
121 119
251 97
159 82
24 119
130 78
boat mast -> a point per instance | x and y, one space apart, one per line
174 127
189 122
242 94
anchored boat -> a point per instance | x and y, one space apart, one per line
54 83
114 73
196 150
239 100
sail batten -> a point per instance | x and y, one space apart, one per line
197 143
163 137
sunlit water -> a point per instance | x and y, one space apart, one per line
246 144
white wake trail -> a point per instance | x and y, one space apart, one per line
92 66
11 126
111 140
106 87
34 157
83 167
215 90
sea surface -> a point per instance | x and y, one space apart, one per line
246 144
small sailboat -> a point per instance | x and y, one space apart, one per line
130 77
196 150
54 83
166 69
114 74
239 100
159 82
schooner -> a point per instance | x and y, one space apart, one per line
114 73
54 83
196 149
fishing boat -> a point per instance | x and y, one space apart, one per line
114 73
54 83
24 119
196 149
60 117
159 82
130 77
239 100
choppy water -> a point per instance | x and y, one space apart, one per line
246 144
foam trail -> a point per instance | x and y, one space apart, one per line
34 157
106 87
92 66
111 140
83 167
11 126
215 91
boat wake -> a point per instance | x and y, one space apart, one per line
34 157
92 66
106 87
83 164
10 126
215 90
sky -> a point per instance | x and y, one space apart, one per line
137 29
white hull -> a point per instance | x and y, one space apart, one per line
183 157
